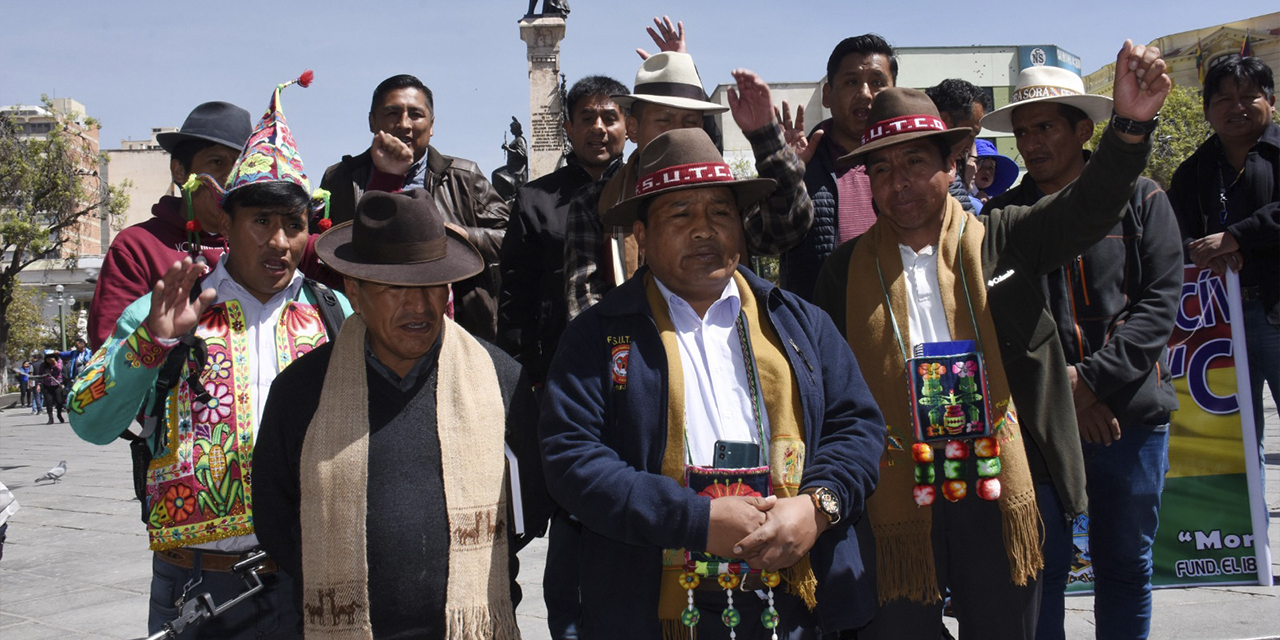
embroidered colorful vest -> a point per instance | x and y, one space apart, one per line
198 484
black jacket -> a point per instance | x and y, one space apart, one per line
1253 207
1115 304
532 311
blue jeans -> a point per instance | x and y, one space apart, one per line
1262 343
270 613
1124 482
37 400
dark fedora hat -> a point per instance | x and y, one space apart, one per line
220 122
901 115
683 159
399 239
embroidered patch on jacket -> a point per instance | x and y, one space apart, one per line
618 360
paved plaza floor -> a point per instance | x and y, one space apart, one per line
76 563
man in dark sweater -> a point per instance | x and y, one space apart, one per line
406 378
1114 306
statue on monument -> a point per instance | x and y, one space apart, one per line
515 173
558 8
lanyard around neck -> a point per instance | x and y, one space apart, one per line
964 284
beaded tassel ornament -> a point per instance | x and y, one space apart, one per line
729 580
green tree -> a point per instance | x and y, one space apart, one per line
48 187
28 331
1182 130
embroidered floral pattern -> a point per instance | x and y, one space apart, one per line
218 408
218 367
178 502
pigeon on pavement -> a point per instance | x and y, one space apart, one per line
55 474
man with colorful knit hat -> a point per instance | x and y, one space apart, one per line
712 432
946 310
238 326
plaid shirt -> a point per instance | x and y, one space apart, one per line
772 226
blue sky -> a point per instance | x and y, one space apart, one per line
141 64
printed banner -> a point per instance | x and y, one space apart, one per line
1212 512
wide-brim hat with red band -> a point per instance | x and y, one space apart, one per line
684 159
670 79
399 239
901 115
1048 84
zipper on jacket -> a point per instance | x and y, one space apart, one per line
800 353
1075 321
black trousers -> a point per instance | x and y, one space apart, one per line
971 562
53 400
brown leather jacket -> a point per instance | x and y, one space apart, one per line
466 199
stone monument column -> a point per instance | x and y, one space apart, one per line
543 34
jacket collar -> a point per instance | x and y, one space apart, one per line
630 299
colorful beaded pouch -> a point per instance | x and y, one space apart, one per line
949 404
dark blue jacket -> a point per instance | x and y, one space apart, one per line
603 443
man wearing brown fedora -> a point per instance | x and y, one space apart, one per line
383 487
668 95
1114 306
947 314
712 432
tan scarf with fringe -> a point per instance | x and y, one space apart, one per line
781 393
470 420
904 552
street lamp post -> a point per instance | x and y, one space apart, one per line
63 300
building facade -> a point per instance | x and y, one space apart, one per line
1189 53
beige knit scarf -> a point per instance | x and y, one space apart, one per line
904 552
470 421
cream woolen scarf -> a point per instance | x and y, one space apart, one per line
904 552
471 422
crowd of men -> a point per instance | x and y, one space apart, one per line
393 383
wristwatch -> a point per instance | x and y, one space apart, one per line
1133 127
825 501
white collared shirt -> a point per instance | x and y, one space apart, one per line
717 400
260 320
926 318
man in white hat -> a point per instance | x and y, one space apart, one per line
1114 307
930 286
668 95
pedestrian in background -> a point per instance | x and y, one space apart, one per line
50 374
